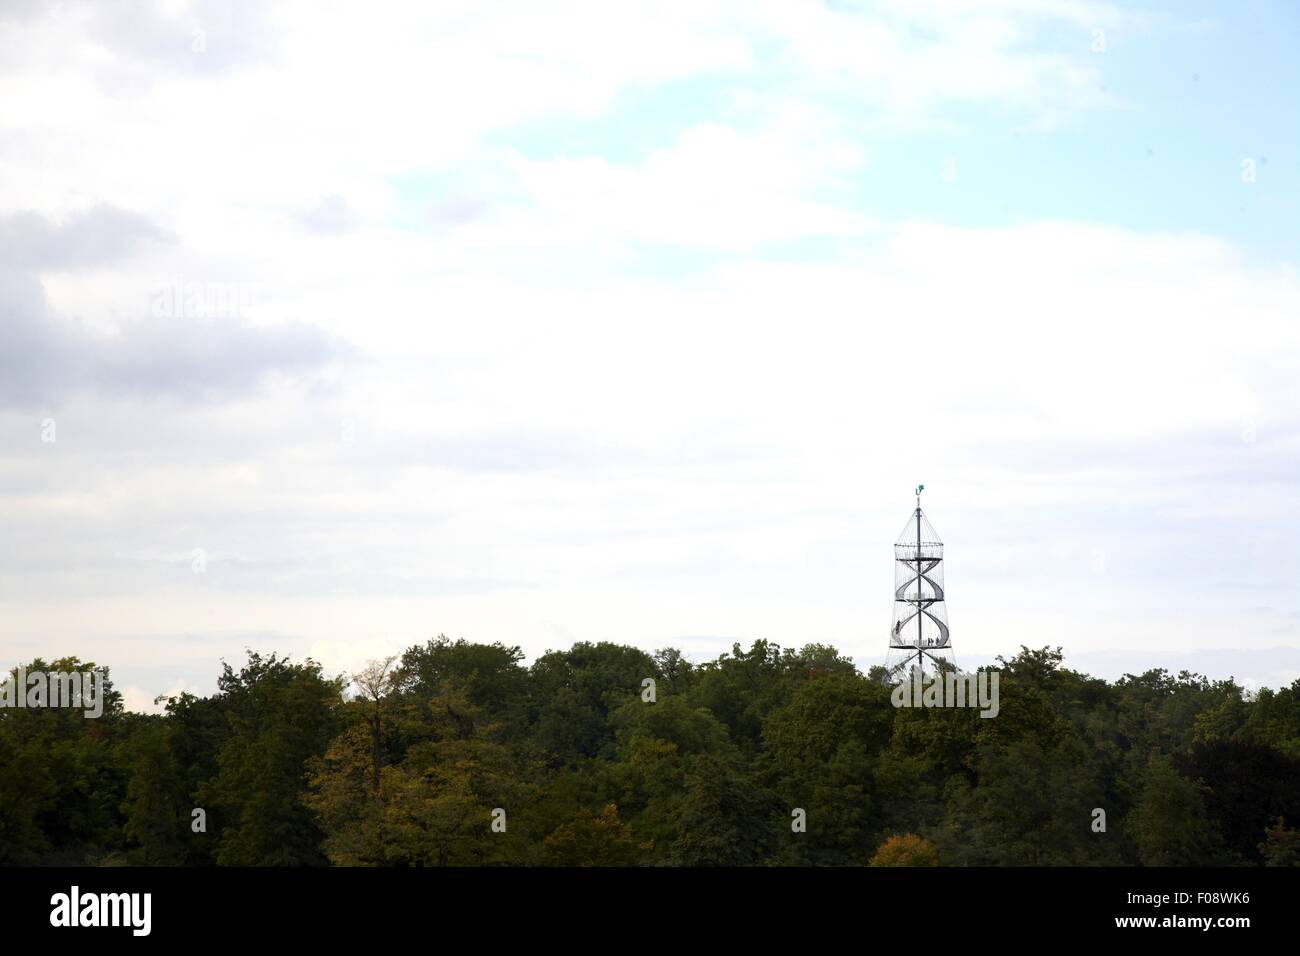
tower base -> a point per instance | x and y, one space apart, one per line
932 660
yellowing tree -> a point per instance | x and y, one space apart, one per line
906 849
592 839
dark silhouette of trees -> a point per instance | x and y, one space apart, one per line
458 753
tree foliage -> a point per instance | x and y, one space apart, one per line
456 753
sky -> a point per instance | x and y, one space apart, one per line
327 328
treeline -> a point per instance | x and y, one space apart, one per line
457 753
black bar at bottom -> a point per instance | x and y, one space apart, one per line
655 905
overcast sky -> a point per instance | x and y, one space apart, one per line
326 328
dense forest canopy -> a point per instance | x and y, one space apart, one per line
457 753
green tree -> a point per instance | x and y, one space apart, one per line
818 753
687 788
279 715
157 808
573 692
60 785
491 677
1169 825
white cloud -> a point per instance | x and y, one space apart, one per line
910 59
719 457
679 391
717 187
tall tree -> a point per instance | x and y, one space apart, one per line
1169 825
279 715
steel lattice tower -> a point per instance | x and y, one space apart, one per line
920 628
